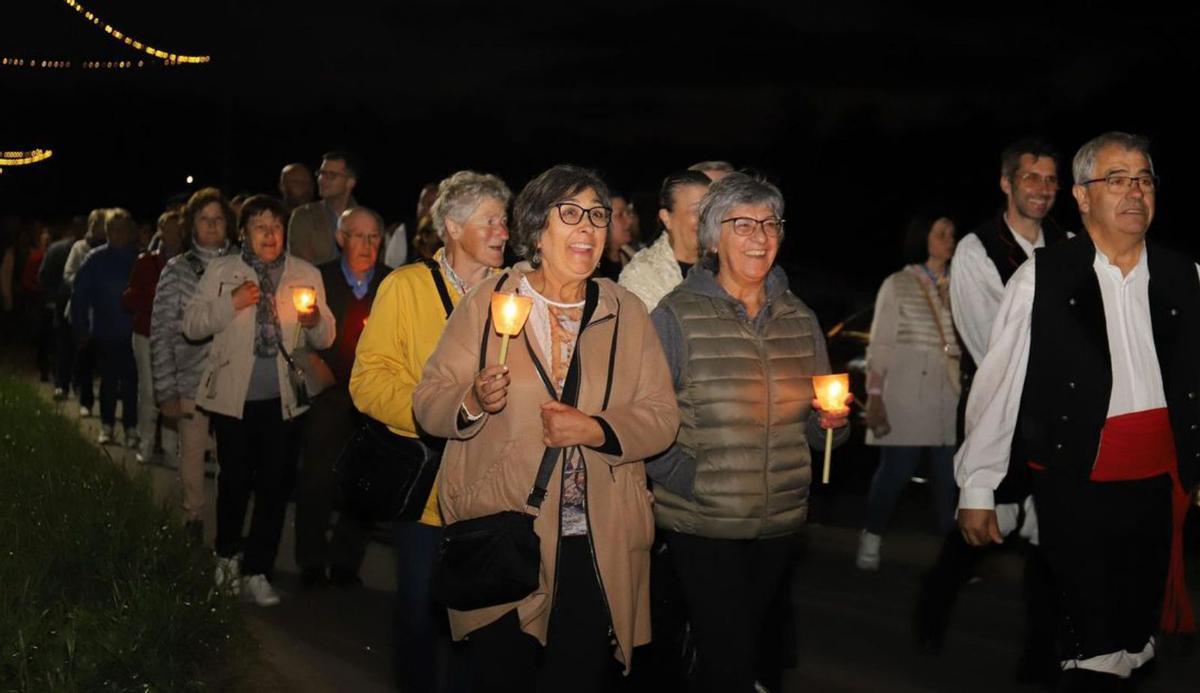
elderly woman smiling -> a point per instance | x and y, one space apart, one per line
595 525
244 302
742 350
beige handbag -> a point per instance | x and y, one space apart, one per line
953 360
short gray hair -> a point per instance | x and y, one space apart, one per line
1084 164
724 194
703 166
461 194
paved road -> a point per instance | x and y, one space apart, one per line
853 627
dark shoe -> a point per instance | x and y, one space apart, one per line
313 577
344 577
194 529
931 618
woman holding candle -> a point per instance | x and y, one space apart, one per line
594 525
470 214
733 490
912 382
248 303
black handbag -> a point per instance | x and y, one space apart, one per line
495 559
384 476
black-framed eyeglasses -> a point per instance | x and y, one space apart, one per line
1146 182
744 226
571 214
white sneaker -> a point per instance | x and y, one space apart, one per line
84 412
868 551
259 589
106 435
133 440
229 574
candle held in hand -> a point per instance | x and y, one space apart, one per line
304 298
831 391
509 313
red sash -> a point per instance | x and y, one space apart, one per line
1140 446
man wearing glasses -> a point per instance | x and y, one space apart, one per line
1091 371
983 264
312 226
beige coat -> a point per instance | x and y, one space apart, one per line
490 466
226 376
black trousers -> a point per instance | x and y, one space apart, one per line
578 656
728 585
85 366
254 457
118 381
64 351
328 425
1108 545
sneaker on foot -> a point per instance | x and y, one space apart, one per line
106 435
229 574
59 394
259 589
133 440
84 412
868 551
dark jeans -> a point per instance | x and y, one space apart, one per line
42 317
118 380
426 660
328 424
85 365
897 463
578 656
254 457
64 351
728 585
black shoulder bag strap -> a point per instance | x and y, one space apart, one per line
441 286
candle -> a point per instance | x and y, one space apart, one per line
831 391
304 298
509 313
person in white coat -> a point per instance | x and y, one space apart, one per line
912 382
250 389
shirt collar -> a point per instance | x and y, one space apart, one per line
358 286
1021 241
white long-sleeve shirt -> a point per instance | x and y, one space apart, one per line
976 290
995 398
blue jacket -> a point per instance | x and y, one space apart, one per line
97 291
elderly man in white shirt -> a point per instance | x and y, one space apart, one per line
1091 371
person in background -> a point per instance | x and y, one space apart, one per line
658 269
295 186
33 298
618 248
312 226
402 236
85 356
57 292
407 319
351 283
245 303
912 382
732 492
98 318
138 299
176 361
715 170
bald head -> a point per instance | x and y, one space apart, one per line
359 235
296 185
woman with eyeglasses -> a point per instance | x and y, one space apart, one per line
912 383
732 493
585 375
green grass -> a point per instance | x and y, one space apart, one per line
99 589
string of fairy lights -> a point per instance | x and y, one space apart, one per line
159 57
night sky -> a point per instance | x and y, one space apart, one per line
862 112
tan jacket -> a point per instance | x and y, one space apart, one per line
490 465
226 376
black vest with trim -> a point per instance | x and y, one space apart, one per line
1064 403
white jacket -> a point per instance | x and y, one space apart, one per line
653 272
225 379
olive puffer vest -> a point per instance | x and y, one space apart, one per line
744 406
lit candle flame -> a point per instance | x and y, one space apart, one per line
304 298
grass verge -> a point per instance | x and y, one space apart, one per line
99 588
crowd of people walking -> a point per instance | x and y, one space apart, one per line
654 417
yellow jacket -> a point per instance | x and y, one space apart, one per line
406 321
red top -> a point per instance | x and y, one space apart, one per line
138 297
29 273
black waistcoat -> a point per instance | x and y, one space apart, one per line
1067 386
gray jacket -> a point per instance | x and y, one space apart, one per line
175 360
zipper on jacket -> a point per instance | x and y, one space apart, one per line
766 361
587 516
